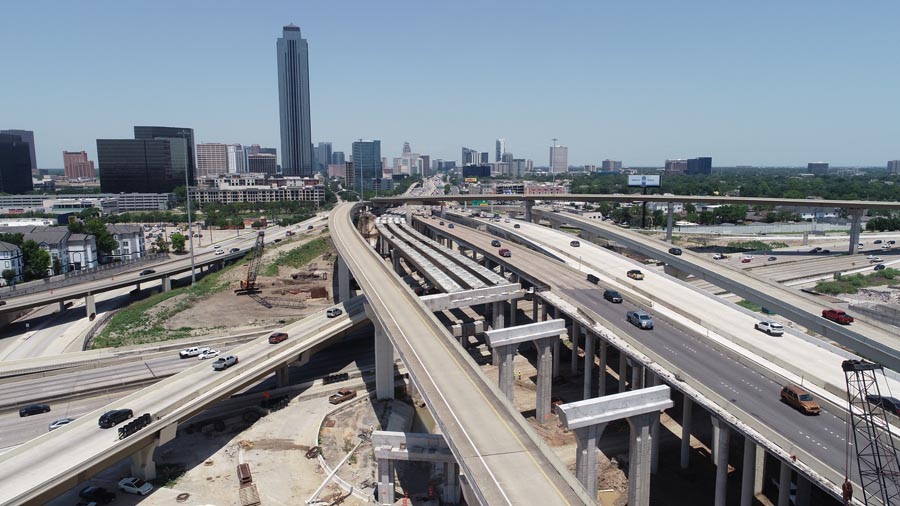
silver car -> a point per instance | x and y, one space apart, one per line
640 319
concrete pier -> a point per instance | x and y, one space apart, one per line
748 473
686 414
721 437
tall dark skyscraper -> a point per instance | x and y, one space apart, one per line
701 165
366 163
28 137
323 156
15 164
293 103
179 153
141 165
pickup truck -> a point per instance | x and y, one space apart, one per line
837 316
341 396
720 256
192 351
504 252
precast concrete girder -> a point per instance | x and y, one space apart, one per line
466 298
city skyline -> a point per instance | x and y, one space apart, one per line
769 98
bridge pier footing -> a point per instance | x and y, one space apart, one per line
142 464
166 283
385 482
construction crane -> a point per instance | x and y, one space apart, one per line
876 454
248 284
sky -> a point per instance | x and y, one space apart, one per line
763 83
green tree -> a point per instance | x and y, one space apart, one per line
76 227
37 261
57 267
9 275
178 241
162 245
16 238
105 241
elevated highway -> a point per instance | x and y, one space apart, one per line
44 467
502 459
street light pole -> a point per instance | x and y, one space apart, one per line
187 193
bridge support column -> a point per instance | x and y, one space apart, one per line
855 225
586 462
601 376
804 490
639 458
282 376
669 219
409 219
721 433
343 280
443 211
574 339
534 308
498 315
142 464
623 370
759 474
395 262
90 305
686 414
653 380
385 482
529 205
748 472
384 363
637 376
554 225
505 356
62 306
784 485
588 363
451 483
544 377
512 312
166 283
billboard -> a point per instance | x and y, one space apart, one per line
643 181
471 179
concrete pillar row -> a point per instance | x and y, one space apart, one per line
748 472
62 306
90 304
556 345
670 211
512 312
142 464
804 491
395 262
385 482
721 436
855 224
505 356
535 301
498 315
760 471
686 413
586 458
637 376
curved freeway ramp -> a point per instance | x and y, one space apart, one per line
503 460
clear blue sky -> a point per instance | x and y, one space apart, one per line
762 83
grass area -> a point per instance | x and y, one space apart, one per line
752 306
570 230
136 323
853 282
756 245
297 257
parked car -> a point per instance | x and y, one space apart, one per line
504 252
635 274
220 252
342 396
208 354
34 409
612 296
517 226
234 250
114 417
880 267
334 312
675 251
223 363
59 423
97 494
193 351
506 220
890 404
770 327
495 243
837 316
574 244
278 337
135 486
800 399
825 251
640 319
147 272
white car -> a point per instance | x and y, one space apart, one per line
220 252
876 260
135 486
718 256
770 327
208 354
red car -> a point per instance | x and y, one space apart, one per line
837 316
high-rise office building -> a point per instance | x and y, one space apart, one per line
701 165
367 164
817 167
262 163
27 136
293 103
180 152
338 158
559 159
15 164
499 150
611 166
142 165
469 156
676 166
235 162
517 167
893 166
425 165
484 157
77 166
406 148
212 159
323 156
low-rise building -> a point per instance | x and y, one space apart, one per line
108 203
131 242
255 187
11 259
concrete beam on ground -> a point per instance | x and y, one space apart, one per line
411 447
467 298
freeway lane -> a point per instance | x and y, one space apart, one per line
61 459
822 436
497 451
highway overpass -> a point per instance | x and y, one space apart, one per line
498 453
44 467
